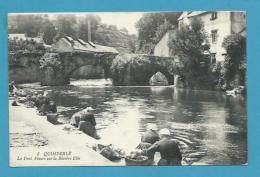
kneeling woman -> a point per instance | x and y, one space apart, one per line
168 148
85 121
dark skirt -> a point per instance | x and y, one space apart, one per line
169 162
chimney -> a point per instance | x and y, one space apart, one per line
89 30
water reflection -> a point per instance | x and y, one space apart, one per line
210 126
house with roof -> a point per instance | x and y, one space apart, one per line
68 44
218 25
161 48
17 36
22 36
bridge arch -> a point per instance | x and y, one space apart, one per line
137 69
69 62
88 72
161 78
124 69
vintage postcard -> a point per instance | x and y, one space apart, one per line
127 88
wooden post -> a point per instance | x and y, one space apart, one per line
89 30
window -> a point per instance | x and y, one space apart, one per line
213 58
213 15
214 35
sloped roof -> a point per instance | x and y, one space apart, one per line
81 45
188 14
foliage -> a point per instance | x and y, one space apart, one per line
122 61
82 28
30 49
66 24
147 48
32 26
121 64
52 28
161 30
51 60
235 60
29 24
137 69
25 46
48 31
152 26
124 43
189 45
218 75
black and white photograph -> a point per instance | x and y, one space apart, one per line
127 88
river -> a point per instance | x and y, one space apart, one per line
210 126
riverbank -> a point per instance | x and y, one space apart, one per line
36 142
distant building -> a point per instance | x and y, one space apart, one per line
218 25
22 36
17 36
68 44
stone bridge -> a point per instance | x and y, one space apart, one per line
59 72
137 69
124 69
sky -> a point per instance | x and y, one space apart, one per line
120 19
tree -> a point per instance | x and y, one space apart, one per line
33 26
66 24
28 24
161 30
235 60
152 26
49 32
82 26
189 45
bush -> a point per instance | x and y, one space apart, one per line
235 60
25 46
218 75
189 45
51 60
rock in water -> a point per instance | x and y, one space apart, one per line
14 103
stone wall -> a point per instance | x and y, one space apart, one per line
70 62
24 67
24 74
137 69
238 23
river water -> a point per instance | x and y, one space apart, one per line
210 126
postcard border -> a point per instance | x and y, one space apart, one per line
253 27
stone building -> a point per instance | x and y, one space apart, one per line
218 25
162 48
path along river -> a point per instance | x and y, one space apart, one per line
210 126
